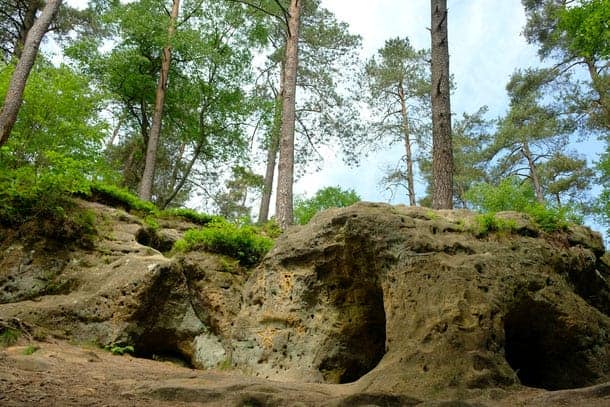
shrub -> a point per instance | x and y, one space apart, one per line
488 222
42 199
219 236
8 336
190 215
119 349
514 195
120 197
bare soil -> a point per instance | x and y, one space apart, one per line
63 374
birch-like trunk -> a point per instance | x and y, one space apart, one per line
148 176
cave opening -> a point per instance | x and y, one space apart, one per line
360 345
543 349
160 346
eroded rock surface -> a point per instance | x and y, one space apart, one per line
385 303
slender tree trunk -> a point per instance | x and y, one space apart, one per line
284 203
533 172
263 214
115 132
442 153
14 94
274 144
409 154
155 129
186 174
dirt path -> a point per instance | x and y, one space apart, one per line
62 374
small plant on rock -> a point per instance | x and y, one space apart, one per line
119 349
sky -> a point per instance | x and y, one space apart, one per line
485 47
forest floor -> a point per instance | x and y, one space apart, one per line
59 373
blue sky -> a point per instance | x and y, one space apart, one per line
485 47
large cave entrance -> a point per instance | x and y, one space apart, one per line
360 343
543 349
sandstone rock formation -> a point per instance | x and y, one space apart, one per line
398 302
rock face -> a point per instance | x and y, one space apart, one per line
394 300
407 300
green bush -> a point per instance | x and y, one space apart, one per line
42 199
8 336
219 236
119 349
326 198
488 222
119 197
514 195
190 215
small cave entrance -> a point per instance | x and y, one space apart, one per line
150 237
160 347
360 344
543 350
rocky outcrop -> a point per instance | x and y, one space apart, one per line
410 300
398 302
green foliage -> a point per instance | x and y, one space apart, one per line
119 197
602 208
119 349
488 222
511 194
190 215
30 350
271 229
586 28
43 200
244 243
326 198
514 195
8 336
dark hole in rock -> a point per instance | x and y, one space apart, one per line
361 343
151 238
543 350
161 346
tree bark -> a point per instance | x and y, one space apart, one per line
148 176
274 144
14 94
284 202
525 150
408 152
442 153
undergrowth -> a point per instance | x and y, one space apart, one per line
245 243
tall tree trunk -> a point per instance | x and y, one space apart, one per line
442 153
148 176
263 214
409 154
14 94
284 203
525 150
274 144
